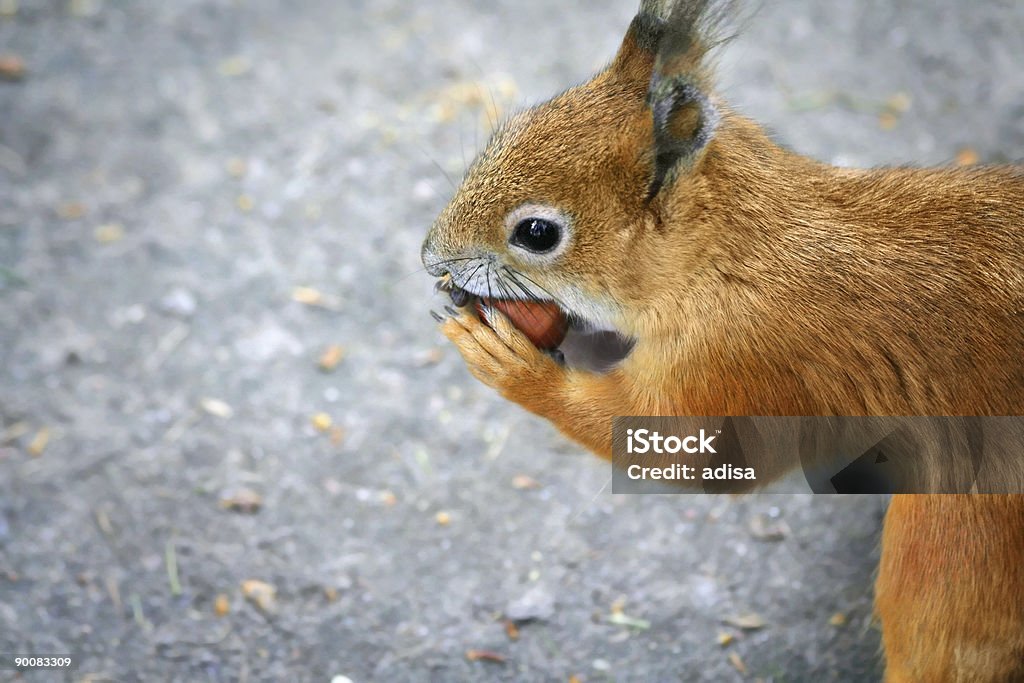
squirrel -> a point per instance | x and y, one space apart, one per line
745 279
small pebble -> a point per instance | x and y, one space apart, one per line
12 68
179 302
236 167
537 603
39 442
108 233
242 500
307 295
330 357
221 605
899 103
260 593
234 66
522 482
967 156
217 408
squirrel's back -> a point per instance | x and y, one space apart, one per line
886 291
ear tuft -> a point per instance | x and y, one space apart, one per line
635 58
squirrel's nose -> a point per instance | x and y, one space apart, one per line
433 263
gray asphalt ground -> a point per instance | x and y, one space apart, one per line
171 173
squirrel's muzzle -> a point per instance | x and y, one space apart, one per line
433 263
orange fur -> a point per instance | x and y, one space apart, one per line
758 282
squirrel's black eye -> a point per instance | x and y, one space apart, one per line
537 234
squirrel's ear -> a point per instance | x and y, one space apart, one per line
684 116
635 59
684 123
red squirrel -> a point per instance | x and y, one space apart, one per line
739 278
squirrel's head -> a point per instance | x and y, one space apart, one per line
567 196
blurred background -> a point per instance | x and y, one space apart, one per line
233 446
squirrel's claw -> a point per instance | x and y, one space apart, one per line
459 297
437 316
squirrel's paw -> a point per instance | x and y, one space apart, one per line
499 355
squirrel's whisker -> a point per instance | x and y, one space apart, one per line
515 274
528 296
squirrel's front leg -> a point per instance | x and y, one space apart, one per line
580 404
